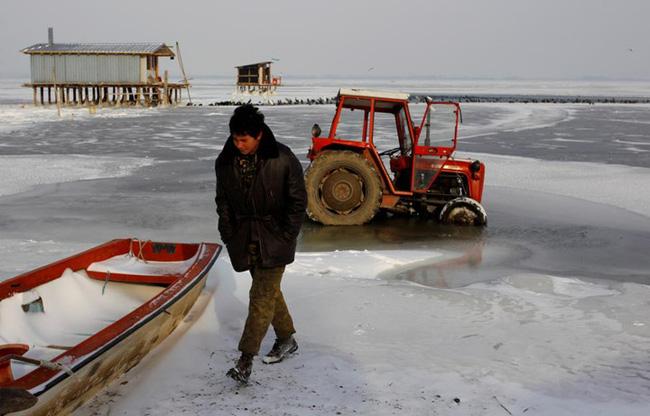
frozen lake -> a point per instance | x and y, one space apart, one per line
150 172
545 310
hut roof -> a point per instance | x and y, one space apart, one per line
255 64
158 49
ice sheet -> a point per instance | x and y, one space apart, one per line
14 117
537 342
615 185
20 173
346 264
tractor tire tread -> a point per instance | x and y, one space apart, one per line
332 159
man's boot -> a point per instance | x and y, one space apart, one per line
281 350
242 371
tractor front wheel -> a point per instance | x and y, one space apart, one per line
343 188
463 211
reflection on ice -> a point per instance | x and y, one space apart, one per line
553 285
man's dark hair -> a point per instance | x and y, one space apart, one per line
246 119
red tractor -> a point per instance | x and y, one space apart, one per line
349 181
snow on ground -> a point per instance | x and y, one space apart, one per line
20 173
534 344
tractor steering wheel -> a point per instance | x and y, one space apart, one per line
390 152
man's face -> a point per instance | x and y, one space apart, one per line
246 144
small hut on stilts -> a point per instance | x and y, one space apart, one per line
101 74
256 77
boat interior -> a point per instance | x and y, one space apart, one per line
53 317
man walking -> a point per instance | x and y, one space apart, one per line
261 202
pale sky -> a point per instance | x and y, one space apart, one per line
545 39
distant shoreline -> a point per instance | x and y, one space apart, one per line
532 98
415 98
220 91
460 98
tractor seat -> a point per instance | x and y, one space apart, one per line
400 163
401 167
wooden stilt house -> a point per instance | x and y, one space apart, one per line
101 74
256 77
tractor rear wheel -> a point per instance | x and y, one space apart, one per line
343 188
463 211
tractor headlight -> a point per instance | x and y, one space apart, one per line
475 166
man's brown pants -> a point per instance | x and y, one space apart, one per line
266 307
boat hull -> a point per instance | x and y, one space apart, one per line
95 363
74 391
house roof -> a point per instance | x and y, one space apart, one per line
159 49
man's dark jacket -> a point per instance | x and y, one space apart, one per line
275 204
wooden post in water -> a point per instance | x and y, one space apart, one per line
166 88
56 92
180 63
